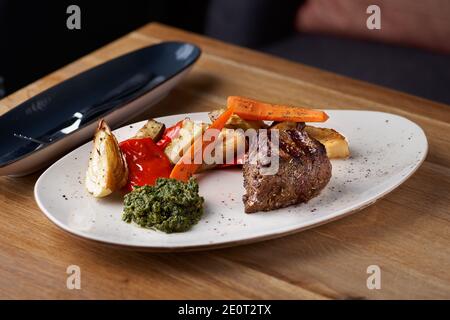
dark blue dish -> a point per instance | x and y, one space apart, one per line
82 100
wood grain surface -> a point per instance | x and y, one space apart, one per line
407 233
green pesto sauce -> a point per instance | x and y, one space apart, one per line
170 205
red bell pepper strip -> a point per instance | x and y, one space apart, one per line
169 134
146 162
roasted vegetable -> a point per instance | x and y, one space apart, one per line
230 142
250 109
146 162
169 134
184 168
107 170
188 132
152 129
236 122
335 143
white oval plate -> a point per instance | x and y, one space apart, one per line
386 149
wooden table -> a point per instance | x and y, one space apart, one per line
407 233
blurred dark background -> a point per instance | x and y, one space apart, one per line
410 53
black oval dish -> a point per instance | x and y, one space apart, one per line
62 117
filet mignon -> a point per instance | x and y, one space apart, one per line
304 170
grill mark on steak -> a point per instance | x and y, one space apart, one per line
304 170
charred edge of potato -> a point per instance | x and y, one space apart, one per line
335 143
236 122
107 170
152 129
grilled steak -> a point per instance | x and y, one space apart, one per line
304 170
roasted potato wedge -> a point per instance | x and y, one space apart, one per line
236 122
335 143
107 170
188 133
152 129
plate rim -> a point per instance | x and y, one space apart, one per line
231 243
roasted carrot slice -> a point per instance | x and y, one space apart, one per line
250 109
183 170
